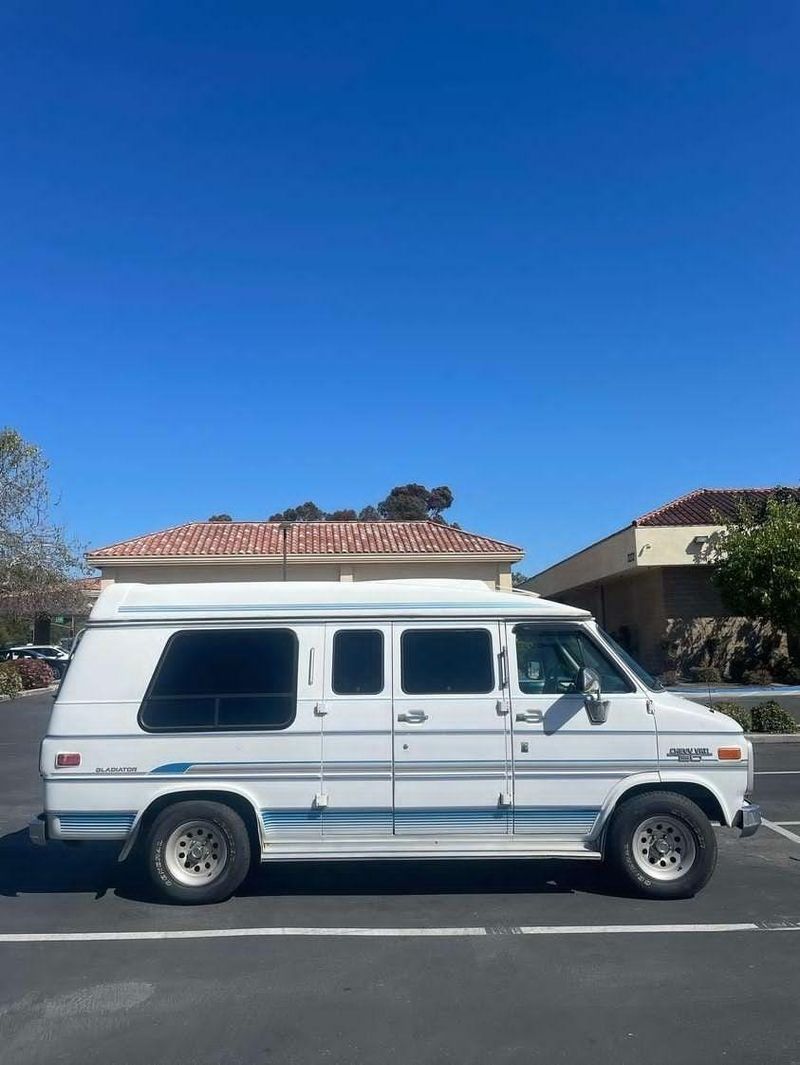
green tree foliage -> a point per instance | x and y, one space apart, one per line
220 517
757 562
518 579
415 502
38 563
406 502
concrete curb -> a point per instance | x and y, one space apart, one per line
27 692
774 737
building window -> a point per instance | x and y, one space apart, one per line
223 680
447 661
357 662
548 661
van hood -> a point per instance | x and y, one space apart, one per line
688 716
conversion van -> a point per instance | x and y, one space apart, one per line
207 725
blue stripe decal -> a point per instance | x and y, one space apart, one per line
552 820
82 824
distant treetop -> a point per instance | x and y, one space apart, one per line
405 502
220 517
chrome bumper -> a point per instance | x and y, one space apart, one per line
37 830
748 819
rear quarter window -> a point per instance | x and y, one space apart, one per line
223 680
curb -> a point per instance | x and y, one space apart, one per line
27 692
773 737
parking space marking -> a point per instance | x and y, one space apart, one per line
780 830
392 933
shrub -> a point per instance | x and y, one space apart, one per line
10 680
759 676
740 714
786 671
705 674
771 717
34 673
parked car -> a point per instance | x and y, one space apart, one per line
202 725
53 656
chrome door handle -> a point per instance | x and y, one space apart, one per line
534 717
413 717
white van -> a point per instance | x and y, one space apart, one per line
203 725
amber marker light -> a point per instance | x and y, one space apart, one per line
729 754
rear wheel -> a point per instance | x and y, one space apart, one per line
197 852
662 845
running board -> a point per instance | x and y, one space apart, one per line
402 848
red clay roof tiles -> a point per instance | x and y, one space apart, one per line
705 506
242 539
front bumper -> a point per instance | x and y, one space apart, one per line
748 819
37 830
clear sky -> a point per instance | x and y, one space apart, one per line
545 252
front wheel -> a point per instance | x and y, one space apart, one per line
662 845
197 852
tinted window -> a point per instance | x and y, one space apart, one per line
357 662
231 679
447 661
548 661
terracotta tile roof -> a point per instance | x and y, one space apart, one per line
704 506
259 539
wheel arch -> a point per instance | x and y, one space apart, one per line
701 792
238 801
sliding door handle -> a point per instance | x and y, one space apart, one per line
413 717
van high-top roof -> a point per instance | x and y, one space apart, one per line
320 599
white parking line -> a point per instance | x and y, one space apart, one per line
781 830
392 933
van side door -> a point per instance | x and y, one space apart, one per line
357 732
564 766
451 733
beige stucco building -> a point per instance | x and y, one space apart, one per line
650 584
306 551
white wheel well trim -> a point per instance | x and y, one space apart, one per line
658 780
181 788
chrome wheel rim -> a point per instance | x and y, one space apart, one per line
196 853
664 848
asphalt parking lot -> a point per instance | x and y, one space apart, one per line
399 961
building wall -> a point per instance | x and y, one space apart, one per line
675 545
491 572
631 607
615 554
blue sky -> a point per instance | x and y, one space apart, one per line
546 253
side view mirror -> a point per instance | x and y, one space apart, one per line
588 684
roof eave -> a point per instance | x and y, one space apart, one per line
395 556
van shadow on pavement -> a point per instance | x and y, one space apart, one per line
92 868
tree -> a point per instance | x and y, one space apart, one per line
757 563
305 512
414 502
37 562
518 579
220 517
405 502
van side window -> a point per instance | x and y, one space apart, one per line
357 662
548 661
222 680
446 661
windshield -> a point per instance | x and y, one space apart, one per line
633 665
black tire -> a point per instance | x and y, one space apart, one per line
677 811
224 826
